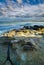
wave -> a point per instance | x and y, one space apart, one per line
7 27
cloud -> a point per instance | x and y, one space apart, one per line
19 1
13 10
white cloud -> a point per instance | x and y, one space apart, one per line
27 10
19 1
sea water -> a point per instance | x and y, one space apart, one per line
10 25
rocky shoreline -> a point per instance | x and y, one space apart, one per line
26 45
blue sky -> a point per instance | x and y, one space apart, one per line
22 8
28 1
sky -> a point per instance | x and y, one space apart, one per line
21 8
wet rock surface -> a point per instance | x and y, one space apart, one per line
21 57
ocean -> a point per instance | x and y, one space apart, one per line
6 26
